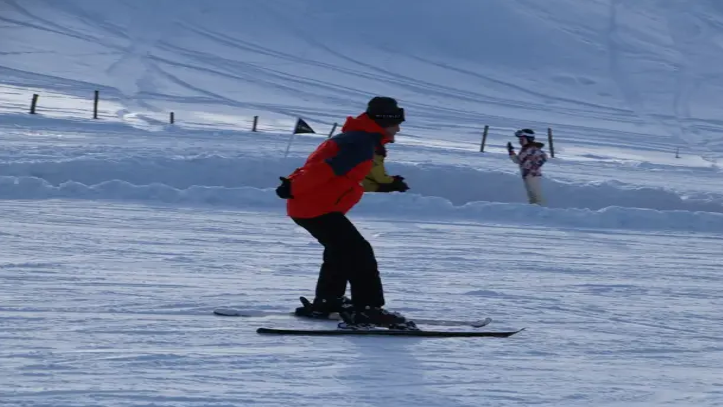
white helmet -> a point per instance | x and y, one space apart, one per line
529 134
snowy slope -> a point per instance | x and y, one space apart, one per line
127 291
600 71
122 234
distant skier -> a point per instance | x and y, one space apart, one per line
378 180
321 192
530 159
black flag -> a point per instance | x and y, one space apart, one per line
303 127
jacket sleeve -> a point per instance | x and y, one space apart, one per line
542 157
515 159
378 173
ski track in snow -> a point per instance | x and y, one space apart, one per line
128 298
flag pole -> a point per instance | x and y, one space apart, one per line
301 127
288 145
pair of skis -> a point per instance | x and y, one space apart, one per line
233 312
387 332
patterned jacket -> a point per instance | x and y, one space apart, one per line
530 159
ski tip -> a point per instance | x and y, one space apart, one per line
226 312
482 323
517 331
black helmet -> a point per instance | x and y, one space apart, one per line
385 111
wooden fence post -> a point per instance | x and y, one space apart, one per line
256 121
173 119
95 105
484 139
33 103
331 133
549 139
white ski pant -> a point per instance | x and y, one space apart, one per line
533 185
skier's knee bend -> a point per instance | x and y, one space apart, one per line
363 252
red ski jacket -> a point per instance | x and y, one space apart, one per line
330 180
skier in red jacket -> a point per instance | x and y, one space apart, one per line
321 192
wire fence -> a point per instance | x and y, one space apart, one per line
257 124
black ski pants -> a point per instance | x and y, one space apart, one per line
347 257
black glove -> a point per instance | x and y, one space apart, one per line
510 148
398 184
284 190
390 187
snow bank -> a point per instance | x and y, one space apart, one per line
458 185
409 206
461 185
614 217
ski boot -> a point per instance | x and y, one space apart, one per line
321 308
404 326
372 317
